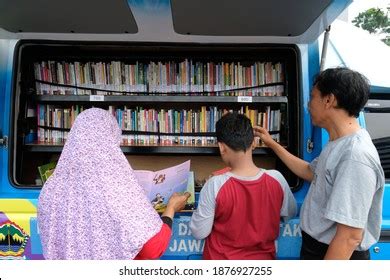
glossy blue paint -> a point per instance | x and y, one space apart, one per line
7 190
182 243
184 246
36 246
3 68
378 89
4 130
386 207
380 251
362 120
149 4
309 69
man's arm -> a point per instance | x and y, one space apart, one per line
300 167
344 242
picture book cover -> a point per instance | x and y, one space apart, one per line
160 185
46 170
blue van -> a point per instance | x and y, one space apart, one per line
267 52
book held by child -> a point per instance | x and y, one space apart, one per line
160 185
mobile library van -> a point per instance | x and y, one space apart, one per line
167 70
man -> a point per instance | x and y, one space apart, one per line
342 212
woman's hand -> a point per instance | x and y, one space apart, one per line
176 203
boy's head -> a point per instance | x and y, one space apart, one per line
350 88
235 131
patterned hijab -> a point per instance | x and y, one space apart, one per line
92 207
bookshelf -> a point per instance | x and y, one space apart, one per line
166 98
150 148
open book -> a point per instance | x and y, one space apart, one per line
160 185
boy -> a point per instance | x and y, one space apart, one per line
239 211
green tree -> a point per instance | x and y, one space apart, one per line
375 20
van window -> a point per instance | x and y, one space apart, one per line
377 116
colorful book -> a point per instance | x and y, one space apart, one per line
46 170
191 189
160 185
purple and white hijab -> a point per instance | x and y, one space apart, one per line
93 207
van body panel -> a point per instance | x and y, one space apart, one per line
182 246
380 89
16 224
86 17
21 214
3 68
6 51
376 119
380 251
7 74
154 20
386 207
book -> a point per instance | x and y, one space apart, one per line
160 185
45 171
191 189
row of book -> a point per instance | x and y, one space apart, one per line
56 117
157 77
153 126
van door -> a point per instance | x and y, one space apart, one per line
377 119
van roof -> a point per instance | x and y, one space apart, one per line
217 21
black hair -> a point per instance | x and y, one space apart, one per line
235 130
350 88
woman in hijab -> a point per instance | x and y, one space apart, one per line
92 207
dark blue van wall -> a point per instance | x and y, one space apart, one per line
4 49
